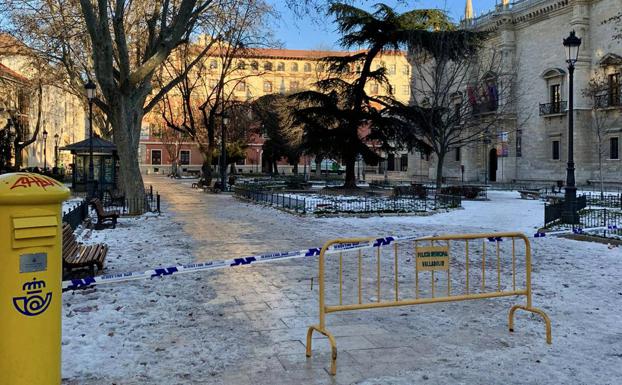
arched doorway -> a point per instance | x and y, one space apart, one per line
492 165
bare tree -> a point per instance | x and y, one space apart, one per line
172 140
126 42
599 92
458 100
211 86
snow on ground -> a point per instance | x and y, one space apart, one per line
247 325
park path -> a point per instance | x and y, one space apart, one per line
222 226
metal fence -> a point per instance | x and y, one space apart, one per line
285 201
349 204
125 206
76 215
600 218
613 201
553 211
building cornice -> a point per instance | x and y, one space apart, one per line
520 14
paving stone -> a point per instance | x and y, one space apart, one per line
383 355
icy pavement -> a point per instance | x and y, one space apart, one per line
248 325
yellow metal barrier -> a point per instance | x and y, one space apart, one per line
433 255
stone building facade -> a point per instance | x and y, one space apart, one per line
62 113
530 145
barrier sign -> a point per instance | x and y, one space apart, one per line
432 258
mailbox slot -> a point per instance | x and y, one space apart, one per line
34 231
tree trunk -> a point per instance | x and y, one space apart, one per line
350 182
207 165
439 171
295 169
208 174
126 119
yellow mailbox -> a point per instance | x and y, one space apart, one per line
30 279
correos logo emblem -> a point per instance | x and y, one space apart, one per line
35 301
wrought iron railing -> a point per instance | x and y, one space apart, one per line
605 200
75 215
349 204
485 107
611 99
553 108
553 212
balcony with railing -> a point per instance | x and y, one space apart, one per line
555 108
485 107
608 100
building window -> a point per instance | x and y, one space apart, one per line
267 86
519 143
294 86
241 86
241 65
319 67
307 67
156 156
613 148
392 69
458 154
294 67
556 150
358 69
555 98
184 157
267 66
373 88
404 162
614 89
391 162
280 66
405 69
213 64
254 65
406 90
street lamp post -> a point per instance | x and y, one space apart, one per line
223 153
569 215
257 161
90 94
56 141
45 142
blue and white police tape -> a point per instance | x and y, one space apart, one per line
221 264
226 263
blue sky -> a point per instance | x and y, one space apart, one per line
295 33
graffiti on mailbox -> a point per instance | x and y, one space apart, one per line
27 181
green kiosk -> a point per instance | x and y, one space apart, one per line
105 165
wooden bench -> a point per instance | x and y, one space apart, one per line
529 194
104 218
78 256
